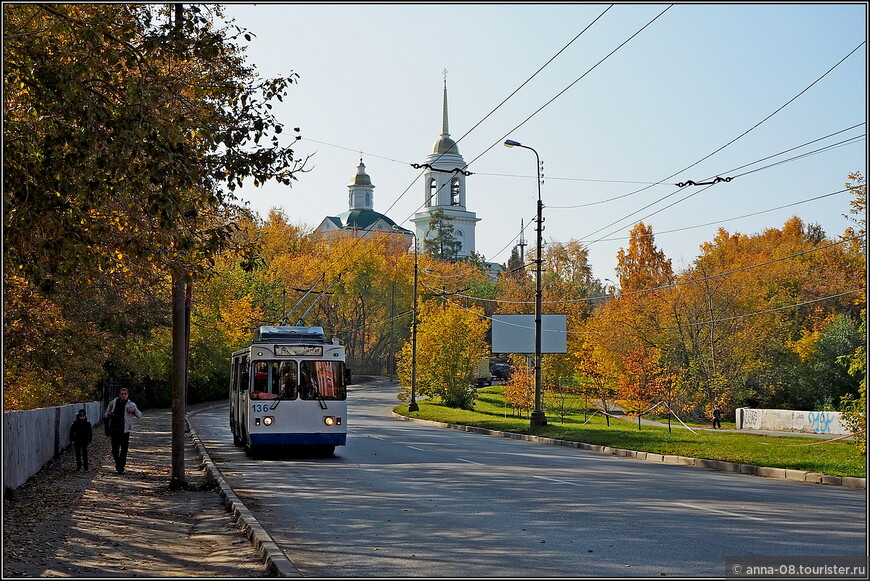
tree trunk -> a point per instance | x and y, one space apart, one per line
180 316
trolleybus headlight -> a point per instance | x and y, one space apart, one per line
267 421
329 420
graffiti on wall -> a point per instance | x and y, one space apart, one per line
820 422
791 421
752 419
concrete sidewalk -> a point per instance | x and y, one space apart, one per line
63 523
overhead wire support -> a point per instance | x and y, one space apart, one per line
710 183
293 308
301 320
454 170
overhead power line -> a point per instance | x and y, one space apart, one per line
400 196
563 91
514 92
733 218
675 284
695 324
778 109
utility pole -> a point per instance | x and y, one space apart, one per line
180 315
538 417
181 294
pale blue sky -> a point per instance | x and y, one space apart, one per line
698 77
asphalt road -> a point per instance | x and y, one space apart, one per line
406 499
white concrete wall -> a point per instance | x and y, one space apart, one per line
31 438
791 421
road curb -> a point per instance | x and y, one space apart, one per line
276 561
720 465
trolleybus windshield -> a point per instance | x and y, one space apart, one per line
309 380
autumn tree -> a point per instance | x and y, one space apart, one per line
126 130
854 406
450 342
642 265
596 376
795 283
638 319
563 393
519 389
639 382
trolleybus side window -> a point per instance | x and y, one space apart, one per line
322 380
237 374
244 375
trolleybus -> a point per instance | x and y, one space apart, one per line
289 388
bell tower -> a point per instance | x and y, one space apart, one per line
360 194
444 183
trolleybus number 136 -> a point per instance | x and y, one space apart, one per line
289 388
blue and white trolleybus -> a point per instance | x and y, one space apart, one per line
288 388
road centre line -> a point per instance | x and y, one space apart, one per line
557 480
415 448
469 461
734 514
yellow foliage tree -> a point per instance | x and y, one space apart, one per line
519 390
450 342
596 374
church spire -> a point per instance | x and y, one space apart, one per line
444 130
445 145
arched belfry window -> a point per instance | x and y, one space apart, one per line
454 192
433 189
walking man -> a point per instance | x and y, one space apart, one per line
120 414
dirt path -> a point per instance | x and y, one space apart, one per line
63 523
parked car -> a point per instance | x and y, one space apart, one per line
501 371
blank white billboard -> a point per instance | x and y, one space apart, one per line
516 333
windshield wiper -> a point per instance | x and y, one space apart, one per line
280 398
323 405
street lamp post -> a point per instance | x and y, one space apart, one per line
538 417
413 407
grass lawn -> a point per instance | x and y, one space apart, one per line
838 458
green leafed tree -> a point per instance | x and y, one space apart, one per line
441 243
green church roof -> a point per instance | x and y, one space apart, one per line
362 219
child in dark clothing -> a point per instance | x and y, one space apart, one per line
81 433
